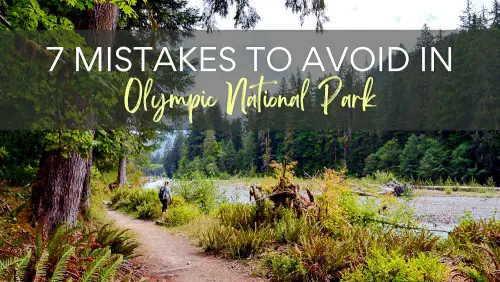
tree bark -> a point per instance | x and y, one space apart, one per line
86 190
57 190
104 16
122 171
62 185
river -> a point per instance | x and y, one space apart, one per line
436 212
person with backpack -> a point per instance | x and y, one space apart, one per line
165 195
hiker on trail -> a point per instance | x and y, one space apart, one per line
164 196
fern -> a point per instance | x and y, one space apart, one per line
102 256
21 266
6 264
59 238
118 240
62 265
39 241
109 272
41 266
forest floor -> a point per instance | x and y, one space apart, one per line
167 257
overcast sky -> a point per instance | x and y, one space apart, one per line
362 14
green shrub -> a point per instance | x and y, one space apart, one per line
19 175
289 228
245 243
324 257
143 203
359 211
182 214
240 216
476 245
121 198
215 237
286 268
149 210
448 190
383 176
199 190
79 251
393 266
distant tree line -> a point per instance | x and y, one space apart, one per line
234 147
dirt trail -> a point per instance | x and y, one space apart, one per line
173 258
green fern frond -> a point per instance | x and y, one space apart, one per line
39 241
6 263
41 267
22 264
102 256
62 265
119 240
59 237
108 273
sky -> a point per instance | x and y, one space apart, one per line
361 14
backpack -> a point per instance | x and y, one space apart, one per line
161 194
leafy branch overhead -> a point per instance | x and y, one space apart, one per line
246 16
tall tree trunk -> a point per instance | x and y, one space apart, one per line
85 198
104 16
62 185
57 189
122 170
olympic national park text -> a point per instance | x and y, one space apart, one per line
138 96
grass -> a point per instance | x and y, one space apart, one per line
343 240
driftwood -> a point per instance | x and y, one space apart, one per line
392 187
395 188
284 194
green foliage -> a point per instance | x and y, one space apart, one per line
62 264
393 266
215 237
142 202
200 191
475 246
238 216
174 155
434 163
448 190
101 256
321 247
290 228
93 255
182 214
323 257
245 243
119 241
386 158
286 268
148 210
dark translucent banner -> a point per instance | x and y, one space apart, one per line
363 80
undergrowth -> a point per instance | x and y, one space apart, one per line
345 238
90 251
